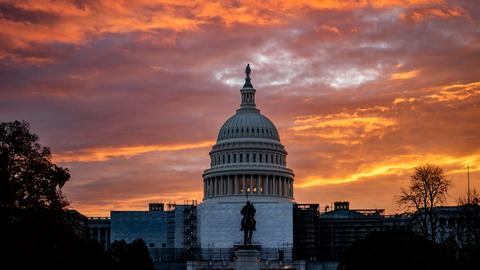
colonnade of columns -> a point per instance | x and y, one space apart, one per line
254 184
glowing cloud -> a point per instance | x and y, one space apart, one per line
398 166
404 75
343 128
105 153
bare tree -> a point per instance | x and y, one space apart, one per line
473 198
428 189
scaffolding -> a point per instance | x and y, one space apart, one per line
190 224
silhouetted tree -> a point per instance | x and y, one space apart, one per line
133 255
28 178
35 231
428 189
394 250
473 198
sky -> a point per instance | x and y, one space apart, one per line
130 95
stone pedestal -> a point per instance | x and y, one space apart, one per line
247 259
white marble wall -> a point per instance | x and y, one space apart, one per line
219 222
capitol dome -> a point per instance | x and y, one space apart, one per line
248 157
248 124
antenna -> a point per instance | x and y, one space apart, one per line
468 180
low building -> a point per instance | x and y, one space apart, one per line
99 230
460 224
339 228
162 226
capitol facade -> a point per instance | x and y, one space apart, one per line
248 162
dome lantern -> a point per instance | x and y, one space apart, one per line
247 91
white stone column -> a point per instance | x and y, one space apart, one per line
262 183
229 185
251 183
289 190
267 184
212 182
280 186
237 185
223 186
210 192
277 185
243 184
292 188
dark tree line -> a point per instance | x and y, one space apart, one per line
421 249
36 231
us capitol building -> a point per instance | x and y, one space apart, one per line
248 162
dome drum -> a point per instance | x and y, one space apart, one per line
248 184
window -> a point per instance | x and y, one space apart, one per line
248 157
234 158
260 158
228 158
254 157
241 157
223 159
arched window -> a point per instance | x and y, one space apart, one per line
271 158
260 157
276 159
223 159
254 157
248 157
241 158
234 158
228 158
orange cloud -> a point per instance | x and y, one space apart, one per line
404 100
134 204
396 166
421 14
74 23
105 153
456 92
342 128
444 93
404 75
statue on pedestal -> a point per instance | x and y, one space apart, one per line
248 224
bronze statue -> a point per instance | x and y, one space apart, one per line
248 70
248 223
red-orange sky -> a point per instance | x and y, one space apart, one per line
130 95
